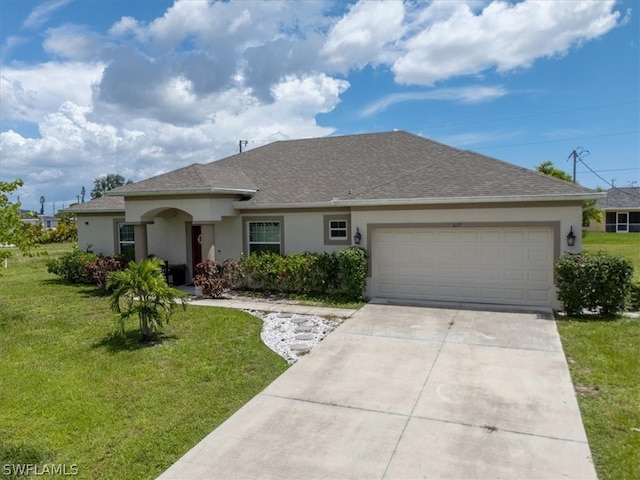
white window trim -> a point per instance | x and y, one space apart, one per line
332 229
619 223
124 242
330 239
249 242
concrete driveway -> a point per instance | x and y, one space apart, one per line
399 392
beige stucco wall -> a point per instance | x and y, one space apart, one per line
201 209
228 238
167 238
303 231
98 232
568 216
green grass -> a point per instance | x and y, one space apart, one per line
625 244
604 360
72 393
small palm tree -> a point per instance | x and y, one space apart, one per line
142 290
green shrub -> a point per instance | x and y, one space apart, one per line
72 266
64 232
352 273
341 274
633 299
596 282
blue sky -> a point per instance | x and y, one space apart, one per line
90 87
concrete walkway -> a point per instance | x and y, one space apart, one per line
269 306
410 392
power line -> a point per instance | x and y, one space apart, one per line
606 182
563 140
531 115
613 170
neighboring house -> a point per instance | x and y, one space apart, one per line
438 223
48 222
621 209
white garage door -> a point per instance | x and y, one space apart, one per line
486 265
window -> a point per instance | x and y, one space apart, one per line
126 242
338 230
264 237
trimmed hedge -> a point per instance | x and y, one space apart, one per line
599 282
340 275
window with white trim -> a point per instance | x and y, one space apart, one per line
338 230
264 237
126 240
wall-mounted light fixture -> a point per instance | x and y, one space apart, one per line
571 238
86 223
357 238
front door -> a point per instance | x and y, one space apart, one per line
622 222
196 246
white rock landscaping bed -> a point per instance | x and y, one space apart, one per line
292 335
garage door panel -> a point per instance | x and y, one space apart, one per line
538 255
514 237
538 276
496 265
471 237
539 296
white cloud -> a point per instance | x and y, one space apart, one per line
41 14
30 92
502 36
124 26
72 42
76 136
472 94
363 34
10 43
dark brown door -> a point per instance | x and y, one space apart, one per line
196 246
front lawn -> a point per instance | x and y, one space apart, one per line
73 394
625 244
604 360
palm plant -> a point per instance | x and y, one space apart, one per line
141 289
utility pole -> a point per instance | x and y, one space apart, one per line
577 154
242 142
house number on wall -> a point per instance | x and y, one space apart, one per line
456 225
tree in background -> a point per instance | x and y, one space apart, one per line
11 225
102 185
83 191
42 201
548 169
589 211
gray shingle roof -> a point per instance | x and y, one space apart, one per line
101 204
366 167
195 177
624 197
380 166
